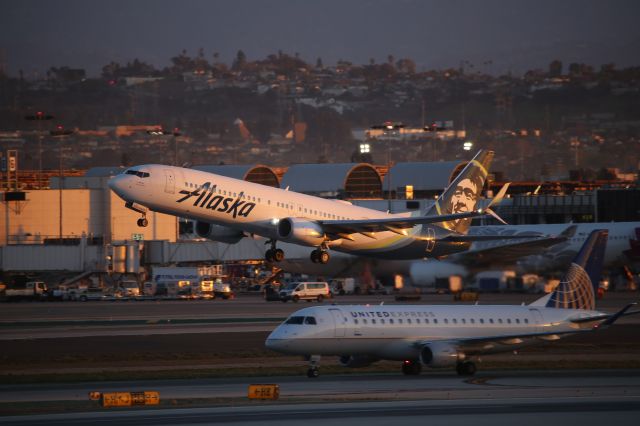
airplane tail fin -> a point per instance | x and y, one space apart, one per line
463 192
579 286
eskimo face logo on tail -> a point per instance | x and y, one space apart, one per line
464 199
207 200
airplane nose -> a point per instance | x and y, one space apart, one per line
118 184
273 344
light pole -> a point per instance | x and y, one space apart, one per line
39 117
575 144
175 133
60 133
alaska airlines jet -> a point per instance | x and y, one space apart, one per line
448 336
228 209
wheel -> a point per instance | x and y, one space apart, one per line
466 368
278 255
295 298
314 256
269 255
324 257
320 298
143 222
312 373
411 368
83 298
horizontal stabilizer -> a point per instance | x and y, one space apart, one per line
613 318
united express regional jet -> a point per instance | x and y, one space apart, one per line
449 336
227 209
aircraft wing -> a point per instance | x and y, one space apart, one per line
480 345
510 249
394 224
509 252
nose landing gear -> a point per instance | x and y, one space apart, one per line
142 222
314 363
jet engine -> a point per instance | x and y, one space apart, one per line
356 361
300 231
220 233
440 355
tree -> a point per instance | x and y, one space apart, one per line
391 59
240 61
406 65
181 63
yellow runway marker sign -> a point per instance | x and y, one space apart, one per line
127 399
264 391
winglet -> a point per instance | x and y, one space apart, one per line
569 232
499 196
495 201
495 216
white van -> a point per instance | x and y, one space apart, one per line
305 291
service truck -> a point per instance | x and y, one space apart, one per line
31 290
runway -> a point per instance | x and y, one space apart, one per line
529 397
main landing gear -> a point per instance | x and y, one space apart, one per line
142 222
411 368
314 364
274 254
320 255
466 368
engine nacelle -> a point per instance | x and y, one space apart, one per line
440 355
220 233
300 231
356 361
425 273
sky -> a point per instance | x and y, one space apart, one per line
497 36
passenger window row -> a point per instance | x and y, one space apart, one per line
446 321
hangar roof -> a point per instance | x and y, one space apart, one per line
425 176
257 173
345 180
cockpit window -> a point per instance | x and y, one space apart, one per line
137 173
310 320
295 320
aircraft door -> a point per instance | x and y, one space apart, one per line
537 317
339 321
170 182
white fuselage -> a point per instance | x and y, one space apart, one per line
395 332
249 207
619 235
